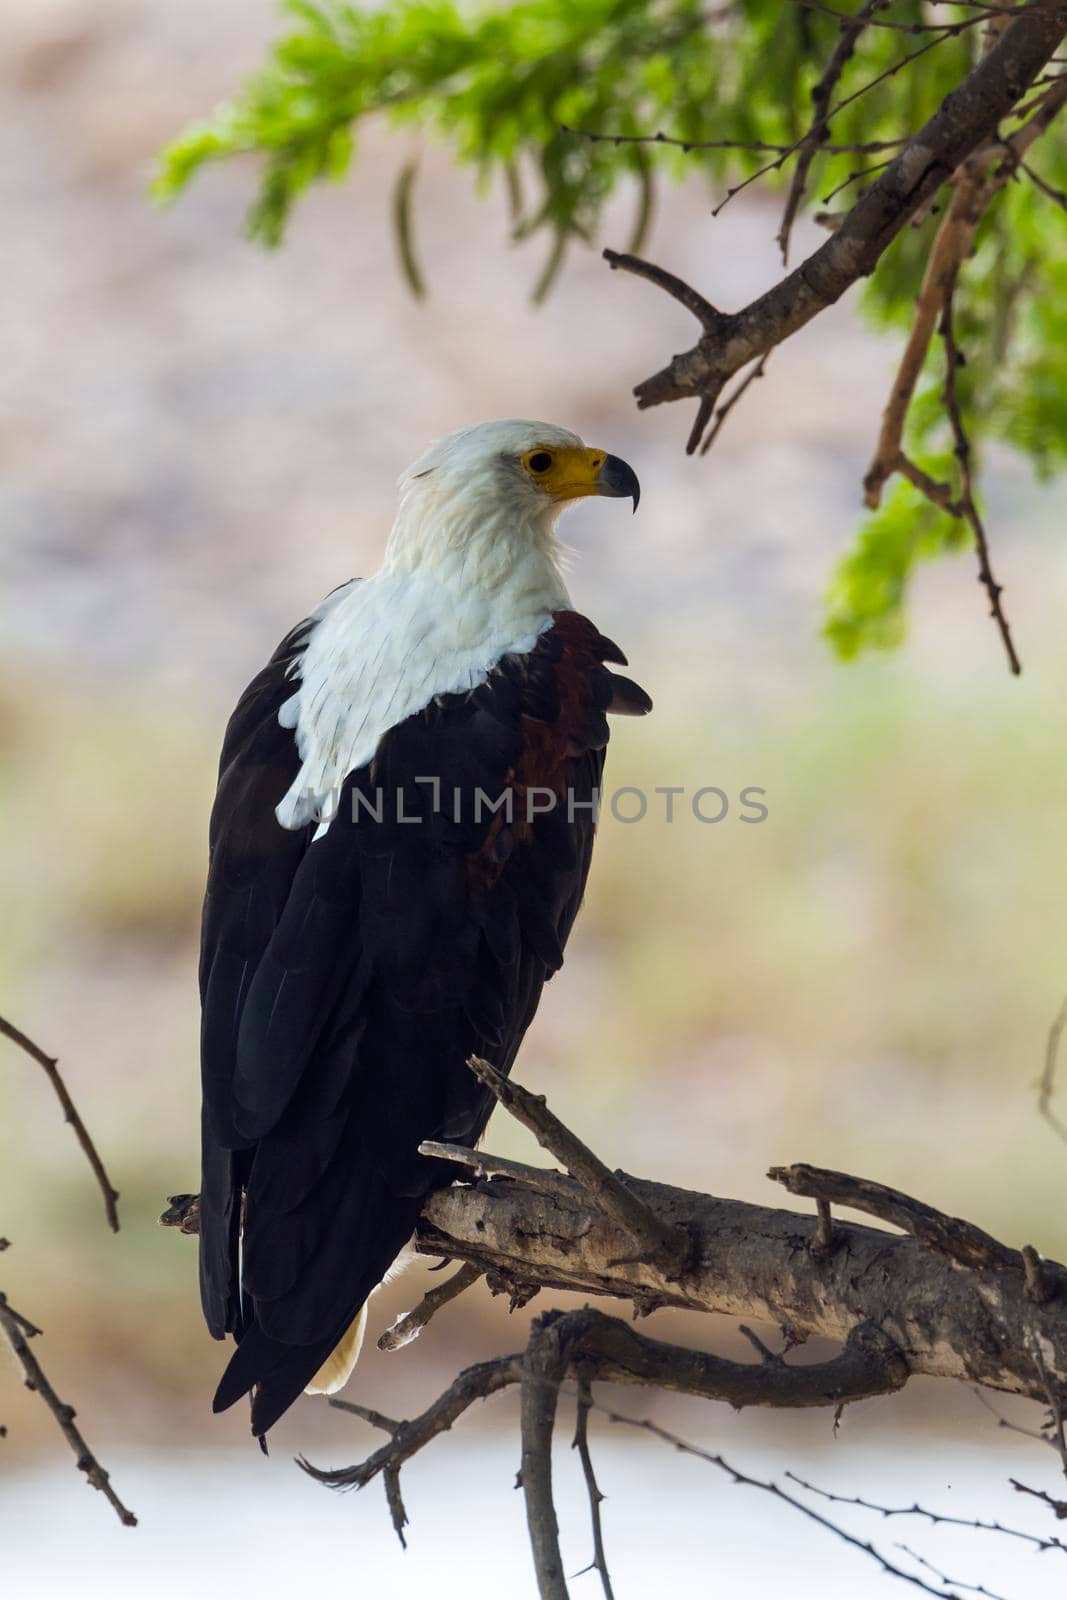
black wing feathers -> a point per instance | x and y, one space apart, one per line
347 979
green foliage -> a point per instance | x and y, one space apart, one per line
514 90
866 601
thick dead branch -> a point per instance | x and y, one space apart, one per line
946 1295
18 1330
591 1346
71 1114
968 119
975 1323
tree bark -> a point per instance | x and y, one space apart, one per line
948 1318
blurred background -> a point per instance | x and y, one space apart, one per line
198 440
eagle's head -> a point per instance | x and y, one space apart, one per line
499 484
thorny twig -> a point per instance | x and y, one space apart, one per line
18 1330
722 411
968 508
949 32
972 1588
580 1443
967 122
1057 1507
1057 196
933 1517
842 53
408 1438
71 1114
773 1489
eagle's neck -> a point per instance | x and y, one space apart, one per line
449 601
496 549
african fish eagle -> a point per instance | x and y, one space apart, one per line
399 845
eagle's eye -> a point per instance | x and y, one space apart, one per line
539 461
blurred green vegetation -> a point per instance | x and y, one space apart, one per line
505 88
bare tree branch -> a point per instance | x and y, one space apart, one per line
933 1517
1047 1084
773 1489
18 1330
648 1232
599 1563
968 119
949 1297
71 1114
411 1324
950 1236
851 29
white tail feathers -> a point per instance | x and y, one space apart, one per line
339 1364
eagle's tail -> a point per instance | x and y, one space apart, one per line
340 1363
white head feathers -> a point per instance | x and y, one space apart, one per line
471 573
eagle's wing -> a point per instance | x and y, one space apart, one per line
346 979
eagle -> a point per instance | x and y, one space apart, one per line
399 846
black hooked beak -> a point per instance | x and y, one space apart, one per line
618 480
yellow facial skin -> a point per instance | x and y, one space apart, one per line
569 473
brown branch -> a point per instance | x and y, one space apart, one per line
950 1236
738 393
766 1266
968 507
940 494
483 1165
648 1233
976 183
1047 1084
949 32
1057 1507
848 38
706 314
751 1262
18 1330
599 1563
952 244
544 1368
753 146
408 1438
845 19
589 1345
966 120
71 1115
1057 196
411 1324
